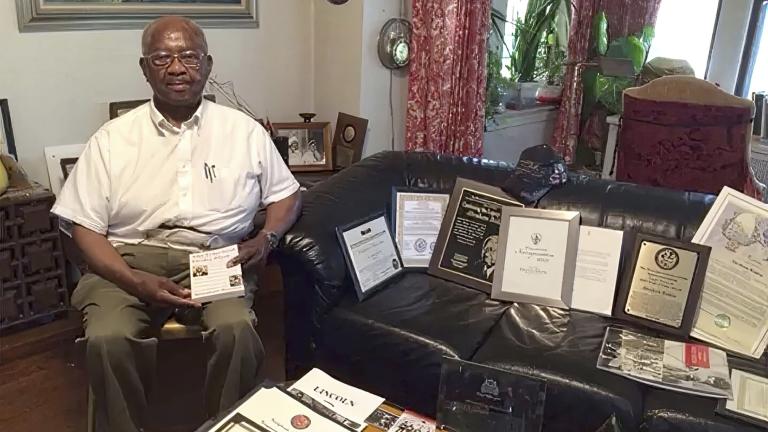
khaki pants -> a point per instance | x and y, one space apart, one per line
121 353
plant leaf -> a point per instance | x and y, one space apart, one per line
600 32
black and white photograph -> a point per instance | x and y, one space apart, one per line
200 271
309 145
381 419
235 280
411 422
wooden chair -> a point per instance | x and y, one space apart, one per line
685 133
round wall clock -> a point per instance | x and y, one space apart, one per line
395 43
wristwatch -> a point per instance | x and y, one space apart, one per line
272 239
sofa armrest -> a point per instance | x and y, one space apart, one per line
311 246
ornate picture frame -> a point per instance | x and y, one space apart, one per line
68 15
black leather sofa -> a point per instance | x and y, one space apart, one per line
392 344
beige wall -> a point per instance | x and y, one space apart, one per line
375 86
337 53
348 74
59 84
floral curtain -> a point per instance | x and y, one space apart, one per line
446 81
624 17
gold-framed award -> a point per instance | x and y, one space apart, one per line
661 286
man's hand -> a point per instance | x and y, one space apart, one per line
160 291
255 249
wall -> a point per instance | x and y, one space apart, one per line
59 84
348 75
337 57
376 84
728 44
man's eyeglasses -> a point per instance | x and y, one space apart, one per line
162 59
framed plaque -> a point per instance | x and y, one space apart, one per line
370 253
537 256
416 219
465 252
661 286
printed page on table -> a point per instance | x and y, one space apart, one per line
210 279
351 403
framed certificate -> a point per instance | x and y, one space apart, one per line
370 253
750 399
661 286
416 219
734 301
537 256
465 252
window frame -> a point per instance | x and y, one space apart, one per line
755 30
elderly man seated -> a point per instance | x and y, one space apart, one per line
177 175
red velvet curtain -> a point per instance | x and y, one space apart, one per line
624 17
446 80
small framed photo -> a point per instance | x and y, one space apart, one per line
662 283
370 253
309 145
417 215
67 165
116 109
7 142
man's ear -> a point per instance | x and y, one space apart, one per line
143 66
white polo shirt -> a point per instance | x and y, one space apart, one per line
142 180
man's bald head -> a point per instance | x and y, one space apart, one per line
167 24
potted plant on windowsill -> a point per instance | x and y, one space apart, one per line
539 46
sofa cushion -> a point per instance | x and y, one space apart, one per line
668 411
393 343
562 347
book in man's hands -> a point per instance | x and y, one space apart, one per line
211 279
685 367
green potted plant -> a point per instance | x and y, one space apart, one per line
539 45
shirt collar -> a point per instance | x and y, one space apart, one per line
164 126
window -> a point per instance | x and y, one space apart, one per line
753 76
684 30
515 9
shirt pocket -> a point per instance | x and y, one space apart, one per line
224 188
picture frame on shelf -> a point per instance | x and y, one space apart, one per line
7 141
309 145
67 165
348 140
60 160
116 109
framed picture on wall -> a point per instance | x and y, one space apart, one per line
309 145
68 15
7 142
